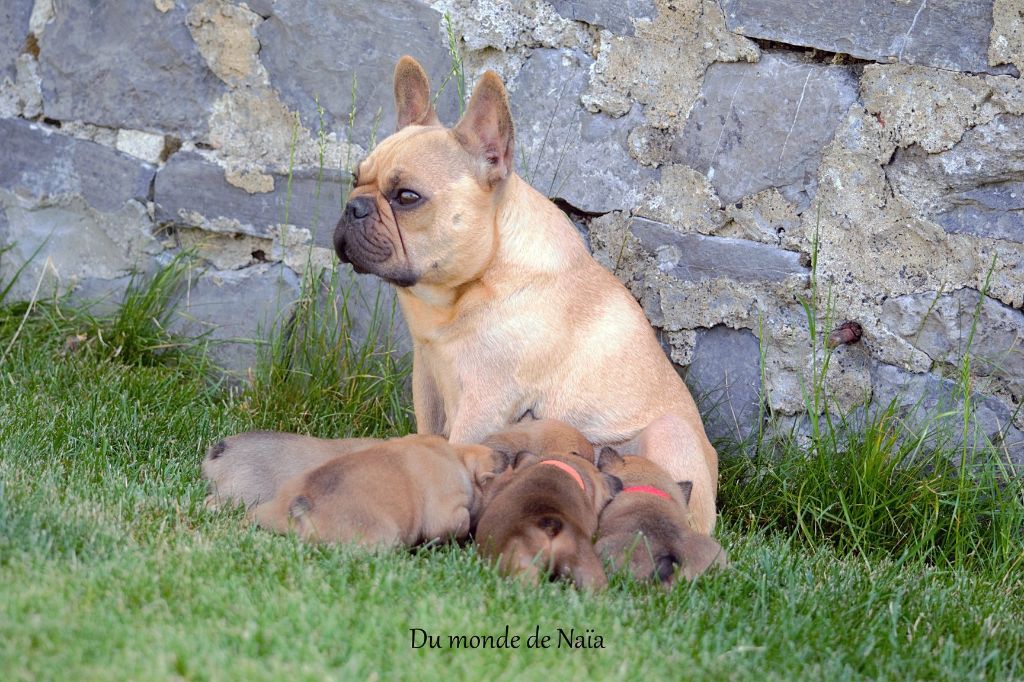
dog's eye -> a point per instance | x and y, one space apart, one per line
406 197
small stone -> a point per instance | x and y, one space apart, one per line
142 145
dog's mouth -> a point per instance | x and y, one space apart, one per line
371 254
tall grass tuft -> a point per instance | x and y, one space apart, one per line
867 482
317 375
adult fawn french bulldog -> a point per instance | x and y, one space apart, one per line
509 314
644 528
398 492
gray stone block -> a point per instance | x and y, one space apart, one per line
312 49
237 309
565 151
941 327
725 379
932 402
191 190
124 64
975 187
14 16
692 257
44 164
613 15
948 34
765 125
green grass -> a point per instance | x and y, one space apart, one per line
111 567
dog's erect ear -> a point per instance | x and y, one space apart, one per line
608 457
523 458
687 488
614 484
485 130
412 95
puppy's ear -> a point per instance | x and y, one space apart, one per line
687 488
485 130
614 484
609 458
412 95
523 458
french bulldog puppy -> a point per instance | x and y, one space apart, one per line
540 518
400 492
248 468
645 526
508 312
542 437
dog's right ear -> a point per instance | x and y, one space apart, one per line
609 458
412 95
523 458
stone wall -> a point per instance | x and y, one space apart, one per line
704 148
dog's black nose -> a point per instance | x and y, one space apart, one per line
359 208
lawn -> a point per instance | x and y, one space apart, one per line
112 568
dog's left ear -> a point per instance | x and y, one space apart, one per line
687 488
485 130
614 484
608 457
412 95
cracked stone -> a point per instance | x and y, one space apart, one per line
695 257
113 67
66 241
236 308
919 398
765 125
616 15
566 151
40 164
941 326
724 376
312 50
14 26
973 188
192 191
948 34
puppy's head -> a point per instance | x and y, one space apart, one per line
422 209
543 437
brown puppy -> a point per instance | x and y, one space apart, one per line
400 492
645 525
509 314
249 467
541 517
542 437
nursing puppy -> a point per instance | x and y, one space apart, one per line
540 518
248 468
542 437
400 492
508 312
645 526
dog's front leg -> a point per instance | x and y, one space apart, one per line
426 398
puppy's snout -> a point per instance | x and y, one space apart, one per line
359 208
